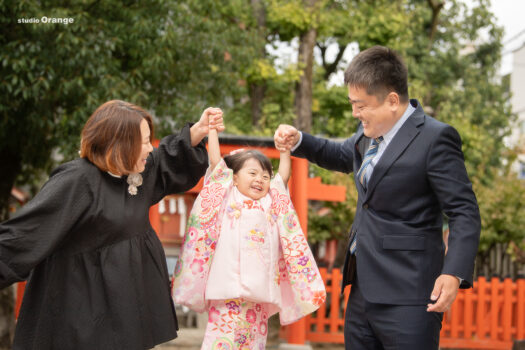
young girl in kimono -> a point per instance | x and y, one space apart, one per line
244 256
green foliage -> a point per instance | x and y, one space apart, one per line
173 58
289 19
331 220
454 77
177 57
500 206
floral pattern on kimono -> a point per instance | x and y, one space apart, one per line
236 324
295 273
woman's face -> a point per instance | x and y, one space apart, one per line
146 146
252 180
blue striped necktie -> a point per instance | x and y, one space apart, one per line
369 155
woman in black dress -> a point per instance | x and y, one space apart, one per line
97 271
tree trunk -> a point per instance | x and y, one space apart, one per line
257 90
436 7
330 68
303 88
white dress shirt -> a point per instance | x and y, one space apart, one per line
387 138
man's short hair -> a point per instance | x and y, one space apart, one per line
379 70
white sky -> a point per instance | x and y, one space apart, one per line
509 14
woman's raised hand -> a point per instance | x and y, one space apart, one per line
211 118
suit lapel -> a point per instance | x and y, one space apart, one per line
399 143
360 149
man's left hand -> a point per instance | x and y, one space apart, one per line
444 293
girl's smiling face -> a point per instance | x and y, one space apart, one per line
252 180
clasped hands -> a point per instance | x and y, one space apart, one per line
285 137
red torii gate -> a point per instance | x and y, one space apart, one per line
302 188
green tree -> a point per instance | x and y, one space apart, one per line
452 52
173 58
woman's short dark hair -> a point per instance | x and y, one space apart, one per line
111 138
236 161
379 70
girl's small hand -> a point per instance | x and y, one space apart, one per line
216 122
200 129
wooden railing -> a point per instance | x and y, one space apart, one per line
489 316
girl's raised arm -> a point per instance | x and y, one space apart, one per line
285 163
214 151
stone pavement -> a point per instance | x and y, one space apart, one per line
191 339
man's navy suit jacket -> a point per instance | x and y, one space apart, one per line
399 218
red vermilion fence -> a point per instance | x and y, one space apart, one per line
489 316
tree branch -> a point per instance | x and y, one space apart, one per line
436 8
330 68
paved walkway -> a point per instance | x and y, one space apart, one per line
191 339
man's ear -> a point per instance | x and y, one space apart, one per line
393 98
393 101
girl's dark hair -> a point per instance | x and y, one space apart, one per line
236 161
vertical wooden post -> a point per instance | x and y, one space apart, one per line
454 313
520 305
297 331
336 301
480 313
468 315
494 308
507 309
321 312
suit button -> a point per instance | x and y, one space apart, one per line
365 206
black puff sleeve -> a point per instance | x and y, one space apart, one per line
43 223
176 166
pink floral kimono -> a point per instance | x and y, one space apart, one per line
244 260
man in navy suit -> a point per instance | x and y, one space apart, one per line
409 170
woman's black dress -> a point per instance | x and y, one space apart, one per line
97 272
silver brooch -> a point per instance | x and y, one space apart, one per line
134 181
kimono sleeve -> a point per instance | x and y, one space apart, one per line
202 234
176 165
42 224
302 288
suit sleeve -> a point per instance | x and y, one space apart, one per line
331 155
450 183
